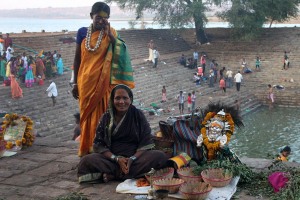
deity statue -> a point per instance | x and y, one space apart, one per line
217 129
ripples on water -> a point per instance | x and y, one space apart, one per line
266 131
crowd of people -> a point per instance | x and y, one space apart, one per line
224 77
27 70
115 137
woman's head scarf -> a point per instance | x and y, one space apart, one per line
112 110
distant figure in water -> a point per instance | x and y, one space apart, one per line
284 154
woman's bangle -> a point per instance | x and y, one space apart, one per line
133 158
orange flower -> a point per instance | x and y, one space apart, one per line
9 145
19 142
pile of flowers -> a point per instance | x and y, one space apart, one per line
28 135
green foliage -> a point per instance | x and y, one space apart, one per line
72 196
261 186
256 183
246 17
281 10
237 169
176 14
132 24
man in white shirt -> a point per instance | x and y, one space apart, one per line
181 99
8 54
195 57
155 57
238 79
52 92
229 75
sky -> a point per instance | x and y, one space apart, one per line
23 4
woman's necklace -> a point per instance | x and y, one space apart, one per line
88 39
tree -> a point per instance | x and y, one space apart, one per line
247 17
282 10
175 13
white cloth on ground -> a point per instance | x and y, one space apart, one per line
223 193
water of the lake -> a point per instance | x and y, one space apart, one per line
266 131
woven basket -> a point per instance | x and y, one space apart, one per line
186 174
216 177
166 130
161 142
195 190
170 184
162 174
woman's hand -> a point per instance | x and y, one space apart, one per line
75 92
130 161
107 27
123 164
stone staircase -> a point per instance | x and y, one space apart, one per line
270 48
56 123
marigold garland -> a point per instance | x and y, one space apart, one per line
213 147
28 136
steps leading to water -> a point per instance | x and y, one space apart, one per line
58 122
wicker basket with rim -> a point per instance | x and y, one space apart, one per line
162 174
186 174
216 177
170 184
195 190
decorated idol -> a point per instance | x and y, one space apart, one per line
217 129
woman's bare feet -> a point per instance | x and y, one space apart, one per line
107 177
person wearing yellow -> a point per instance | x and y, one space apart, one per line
284 154
101 62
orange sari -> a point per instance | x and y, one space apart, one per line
94 88
16 91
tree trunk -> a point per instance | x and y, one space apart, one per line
200 33
271 23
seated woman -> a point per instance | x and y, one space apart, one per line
196 79
182 60
247 70
123 143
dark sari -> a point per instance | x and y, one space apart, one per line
132 135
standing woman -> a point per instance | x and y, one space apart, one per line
40 68
16 91
150 48
60 65
101 61
3 68
31 62
164 94
48 65
29 79
123 143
